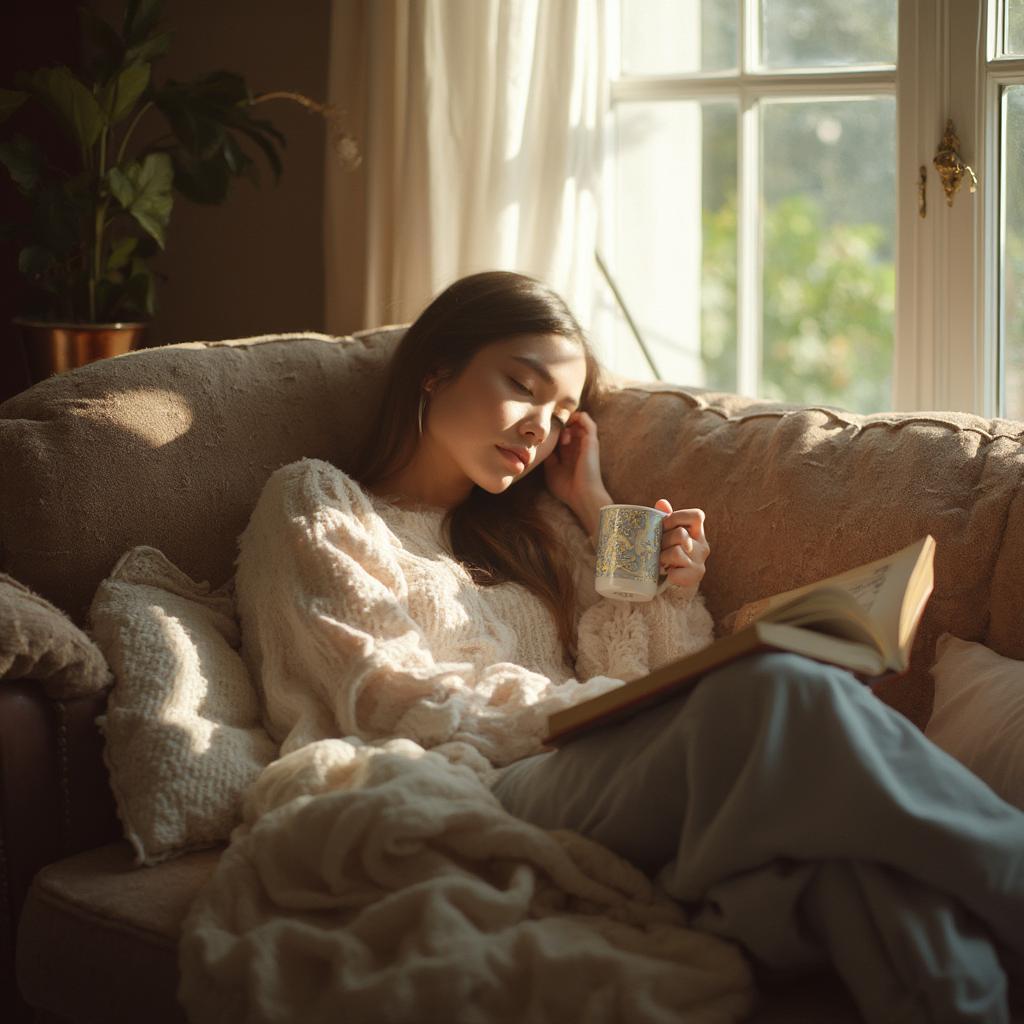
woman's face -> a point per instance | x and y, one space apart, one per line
499 401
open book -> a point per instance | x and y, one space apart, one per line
864 620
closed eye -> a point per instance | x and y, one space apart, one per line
522 387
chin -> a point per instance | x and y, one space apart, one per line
499 485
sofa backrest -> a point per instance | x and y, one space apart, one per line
170 447
794 493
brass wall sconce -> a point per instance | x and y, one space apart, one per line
950 166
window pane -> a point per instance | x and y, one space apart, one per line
678 36
675 244
1012 275
1013 32
827 33
829 252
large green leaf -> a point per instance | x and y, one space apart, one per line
120 94
150 49
106 44
121 251
258 130
224 88
200 134
140 18
21 157
144 190
202 181
10 100
197 111
77 106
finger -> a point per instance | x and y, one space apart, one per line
688 576
675 556
687 518
583 422
663 505
677 535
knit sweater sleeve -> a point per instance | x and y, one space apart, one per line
329 633
627 639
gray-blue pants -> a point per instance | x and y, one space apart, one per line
792 811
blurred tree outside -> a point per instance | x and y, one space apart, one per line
828 218
828 244
829 303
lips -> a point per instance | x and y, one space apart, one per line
515 456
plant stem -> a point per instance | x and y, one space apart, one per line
284 94
100 213
131 127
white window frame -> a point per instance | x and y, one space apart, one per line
946 332
994 73
941 359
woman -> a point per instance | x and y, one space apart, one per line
783 804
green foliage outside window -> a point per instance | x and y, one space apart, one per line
828 307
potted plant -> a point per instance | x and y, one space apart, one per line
91 230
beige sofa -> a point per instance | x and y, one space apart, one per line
171 446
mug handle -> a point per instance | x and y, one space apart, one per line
663 578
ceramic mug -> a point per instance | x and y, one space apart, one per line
629 552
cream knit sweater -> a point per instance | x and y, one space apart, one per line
358 622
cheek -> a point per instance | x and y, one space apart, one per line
475 411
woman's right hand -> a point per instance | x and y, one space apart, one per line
572 471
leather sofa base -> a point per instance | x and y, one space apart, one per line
97 938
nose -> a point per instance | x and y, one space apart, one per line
533 426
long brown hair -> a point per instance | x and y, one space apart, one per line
498 537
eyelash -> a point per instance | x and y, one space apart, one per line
562 423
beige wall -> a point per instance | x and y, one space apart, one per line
255 263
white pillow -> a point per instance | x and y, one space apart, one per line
978 714
182 730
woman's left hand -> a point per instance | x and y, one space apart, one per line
684 545
572 470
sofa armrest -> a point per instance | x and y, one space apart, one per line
55 798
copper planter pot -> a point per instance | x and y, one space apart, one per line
52 347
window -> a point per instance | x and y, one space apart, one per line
762 210
1004 94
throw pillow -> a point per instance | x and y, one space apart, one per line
182 731
978 714
38 641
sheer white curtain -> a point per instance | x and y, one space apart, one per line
480 124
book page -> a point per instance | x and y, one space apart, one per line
831 610
879 589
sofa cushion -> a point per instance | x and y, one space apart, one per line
183 738
97 939
979 713
38 641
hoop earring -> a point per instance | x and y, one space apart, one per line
423 402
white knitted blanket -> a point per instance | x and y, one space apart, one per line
376 878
